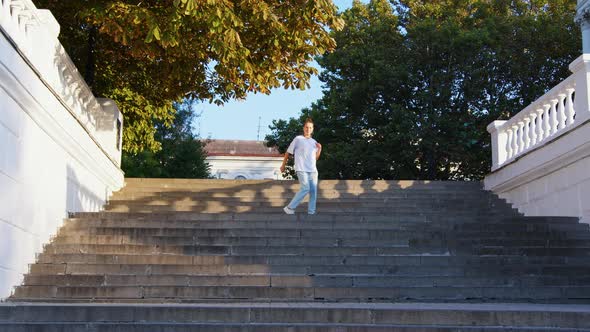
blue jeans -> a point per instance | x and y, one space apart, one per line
308 184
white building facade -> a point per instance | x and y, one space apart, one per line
243 160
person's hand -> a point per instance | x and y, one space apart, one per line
282 168
318 145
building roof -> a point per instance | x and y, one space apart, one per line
220 147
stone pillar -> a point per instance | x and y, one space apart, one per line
499 141
583 19
581 70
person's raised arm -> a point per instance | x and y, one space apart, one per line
285 158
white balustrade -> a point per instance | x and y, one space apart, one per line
25 25
538 123
561 109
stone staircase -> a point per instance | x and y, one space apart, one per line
219 255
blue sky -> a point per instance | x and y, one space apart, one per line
239 119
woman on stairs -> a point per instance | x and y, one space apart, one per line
306 151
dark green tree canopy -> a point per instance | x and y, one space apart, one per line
148 54
182 154
413 84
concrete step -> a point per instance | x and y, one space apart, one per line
400 240
260 327
264 233
401 205
403 260
306 293
263 250
456 219
335 184
249 327
419 197
229 197
282 280
179 265
325 237
297 316
412 249
504 264
230 241
533 251
243 208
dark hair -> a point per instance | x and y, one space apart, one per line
307 120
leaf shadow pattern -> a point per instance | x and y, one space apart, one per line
371 241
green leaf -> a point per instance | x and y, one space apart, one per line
156 33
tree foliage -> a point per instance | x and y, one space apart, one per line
182 154
413 84
148 54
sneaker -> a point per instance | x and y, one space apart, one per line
288 210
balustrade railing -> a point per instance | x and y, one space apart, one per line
556 112
34 33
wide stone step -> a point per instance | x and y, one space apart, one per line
239 269
322 238
253 250
178 266
408 260
307 293
230 241
297 316
419 197
263 233
343 208
419 216
534 251
415 247
259 327
400 205
400 240
486 241
318 280
337 184
160 235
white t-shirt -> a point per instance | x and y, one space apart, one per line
304 150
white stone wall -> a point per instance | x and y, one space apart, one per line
552 180
58 144
250 168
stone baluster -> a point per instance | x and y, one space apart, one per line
561 111
515 146
30 26
527 132
540 131
569 107
23 18
533 128
553 119
521 139
16 6
546 120
509 150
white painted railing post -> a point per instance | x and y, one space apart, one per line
499 143
581 72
